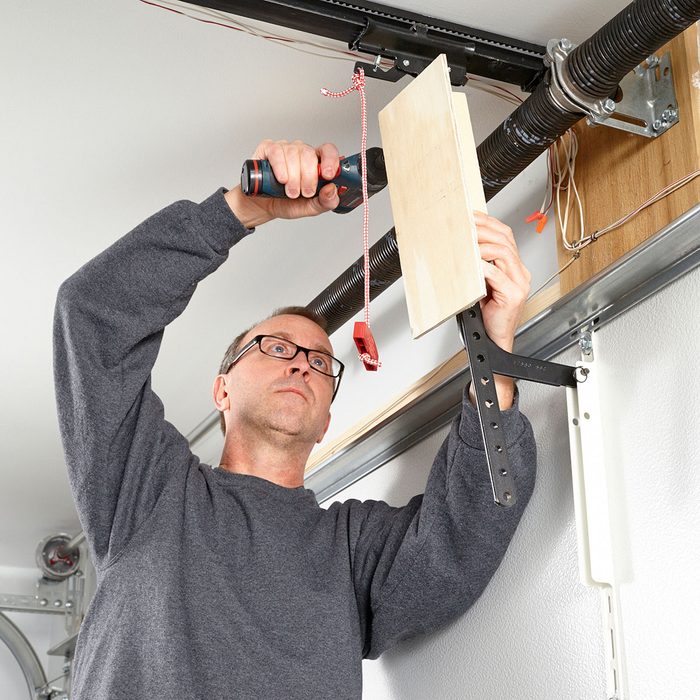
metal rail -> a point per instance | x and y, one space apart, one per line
411 40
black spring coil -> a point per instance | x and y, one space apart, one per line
343 298
596 66
523 136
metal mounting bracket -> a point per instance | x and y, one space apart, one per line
594 508
485 358
53 597
648 106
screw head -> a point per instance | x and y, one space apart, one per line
406 62
585 342
609 105
565 44
656 125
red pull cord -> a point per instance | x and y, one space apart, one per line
362 333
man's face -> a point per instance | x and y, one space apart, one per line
285 396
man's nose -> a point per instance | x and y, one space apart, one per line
300 363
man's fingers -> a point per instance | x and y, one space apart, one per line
330 160
292 157
503 289
491 229
296 165
492 222
328 197
309 170
273 151
507 261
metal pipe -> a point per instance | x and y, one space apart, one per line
25 655
75 542
592 70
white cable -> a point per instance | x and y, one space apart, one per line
587 240
570 149
228 21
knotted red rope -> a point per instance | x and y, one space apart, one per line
362 334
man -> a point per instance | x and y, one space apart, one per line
232 582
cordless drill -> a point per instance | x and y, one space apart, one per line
257 179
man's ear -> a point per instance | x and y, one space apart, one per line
220 394
328 422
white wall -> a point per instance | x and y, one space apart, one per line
536 633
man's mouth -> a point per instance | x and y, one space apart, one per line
292 390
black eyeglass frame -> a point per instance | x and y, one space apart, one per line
300 348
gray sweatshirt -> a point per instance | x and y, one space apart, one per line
216 585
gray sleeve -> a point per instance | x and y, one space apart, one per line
418 567
108 325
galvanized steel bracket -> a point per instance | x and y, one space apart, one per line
647 104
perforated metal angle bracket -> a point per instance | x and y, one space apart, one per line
485 358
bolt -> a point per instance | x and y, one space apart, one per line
656 125
406 62
609 105
564 43
69 604
586 343
43 602
57 603
652 61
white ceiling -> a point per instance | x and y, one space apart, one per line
113 110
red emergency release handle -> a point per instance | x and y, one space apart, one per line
364 340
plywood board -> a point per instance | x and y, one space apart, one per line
432 168
618 171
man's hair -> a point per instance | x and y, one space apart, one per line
235 345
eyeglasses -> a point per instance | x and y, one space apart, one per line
283 349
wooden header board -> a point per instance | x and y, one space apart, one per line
434 186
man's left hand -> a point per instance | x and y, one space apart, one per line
507 288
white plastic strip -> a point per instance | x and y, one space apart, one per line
592 512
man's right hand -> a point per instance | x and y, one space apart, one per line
295 165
